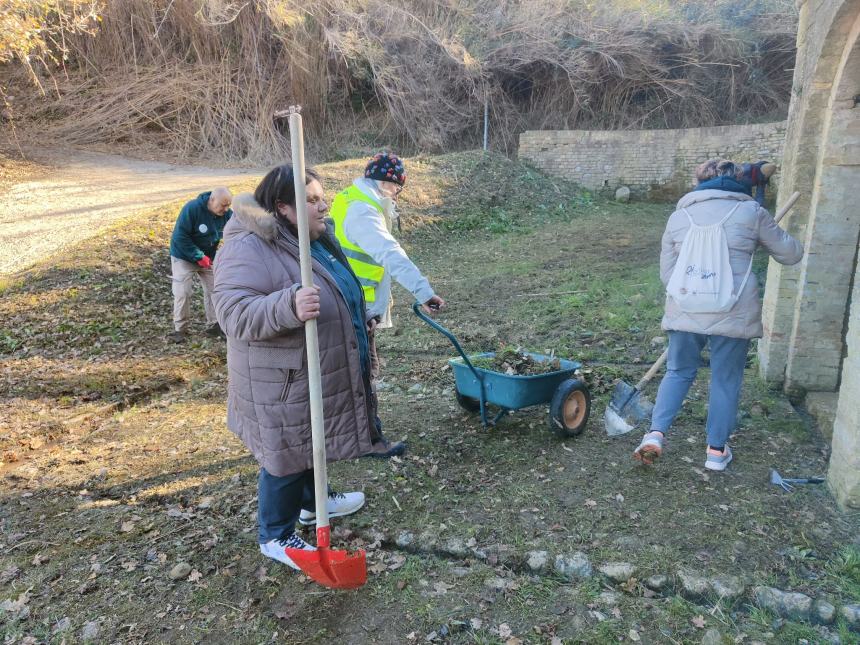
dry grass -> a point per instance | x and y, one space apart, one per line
94 515
206 76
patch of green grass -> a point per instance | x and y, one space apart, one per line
793 632
844 569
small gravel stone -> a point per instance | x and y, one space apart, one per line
405 539
795 606
498 584
457 548
90 631
851 614
823 611
692 584
573 566
618 571
537 560
428 541
609 598
657 582
180 571
728 587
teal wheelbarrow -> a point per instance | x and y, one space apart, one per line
568 398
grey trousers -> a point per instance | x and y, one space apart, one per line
183 287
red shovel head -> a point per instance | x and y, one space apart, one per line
331 568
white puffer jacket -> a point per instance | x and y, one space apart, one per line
750 226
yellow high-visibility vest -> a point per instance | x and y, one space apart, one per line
368 271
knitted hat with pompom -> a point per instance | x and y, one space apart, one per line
386 167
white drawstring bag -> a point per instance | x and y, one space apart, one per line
702 281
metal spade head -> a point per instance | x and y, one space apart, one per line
626 409
332 568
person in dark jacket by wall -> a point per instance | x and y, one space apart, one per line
198 231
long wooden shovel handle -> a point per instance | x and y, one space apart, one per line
654 369
311 338
786 207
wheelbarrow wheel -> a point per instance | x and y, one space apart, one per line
569 408
468 403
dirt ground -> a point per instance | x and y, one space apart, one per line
56 198
117 466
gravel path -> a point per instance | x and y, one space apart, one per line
81 193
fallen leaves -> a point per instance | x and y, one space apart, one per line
9 574
17 606
698 621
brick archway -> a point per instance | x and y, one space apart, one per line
812 330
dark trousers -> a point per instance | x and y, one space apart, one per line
279 502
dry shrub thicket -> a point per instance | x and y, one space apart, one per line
205 76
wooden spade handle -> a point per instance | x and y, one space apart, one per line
297 145
654 369
786 207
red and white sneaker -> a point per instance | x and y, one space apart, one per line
650 448
277 549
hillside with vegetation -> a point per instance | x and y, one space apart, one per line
204 77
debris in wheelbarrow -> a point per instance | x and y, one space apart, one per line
514 361
568 398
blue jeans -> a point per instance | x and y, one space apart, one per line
728 359
279 502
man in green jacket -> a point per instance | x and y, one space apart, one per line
198 231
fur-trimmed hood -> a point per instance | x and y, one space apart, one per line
250 217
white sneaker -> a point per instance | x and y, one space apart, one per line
339 504
277 549
718 460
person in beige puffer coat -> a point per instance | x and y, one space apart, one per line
728 334
262 308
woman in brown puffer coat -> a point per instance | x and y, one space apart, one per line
262 309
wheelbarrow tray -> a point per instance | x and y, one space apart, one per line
511 391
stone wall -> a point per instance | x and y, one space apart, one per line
656 164
823 33
811 320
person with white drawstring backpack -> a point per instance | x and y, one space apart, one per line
712 298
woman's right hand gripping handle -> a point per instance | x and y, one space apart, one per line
307 303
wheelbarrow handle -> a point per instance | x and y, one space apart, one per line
416 308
